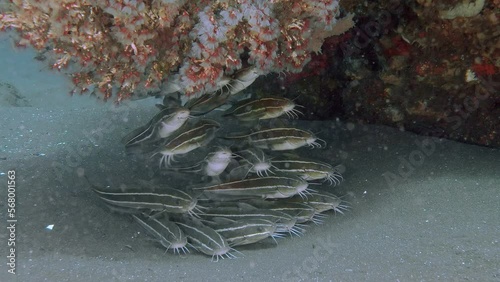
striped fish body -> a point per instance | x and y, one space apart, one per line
165 199
242 79
246 231
307 169
166 232
205 239
279 139
190 139
284 222
161 125
175 122
198 134
271 187
300 211
321 201
213 165
207 103
260 109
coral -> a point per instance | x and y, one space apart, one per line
403 65
463 10
123 47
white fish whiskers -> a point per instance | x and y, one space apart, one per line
185 141
257 161
280 139
206 240
166 232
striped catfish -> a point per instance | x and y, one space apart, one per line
285 223
198 135
242 79
246 231
307 169
206 239
269 187
261 109
161 125
300 211
166 232
158 200
279 139
206 103
322 201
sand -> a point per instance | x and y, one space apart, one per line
422 209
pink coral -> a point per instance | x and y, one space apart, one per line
119 47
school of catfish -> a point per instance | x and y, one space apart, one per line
246 186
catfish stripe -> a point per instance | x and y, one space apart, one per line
206 239
321 201
239 227
270 186
193 141
284 222
308 170
279 139
144 132
241 214
197 132
274 133
151 129
207 103
167 232
242 79
259 109
302 166
247 231
169 199
268 102
254 183
300 211
304 162
203 232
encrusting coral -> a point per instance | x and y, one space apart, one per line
128 47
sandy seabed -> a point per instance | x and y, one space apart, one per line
422 209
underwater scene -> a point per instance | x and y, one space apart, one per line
249 140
